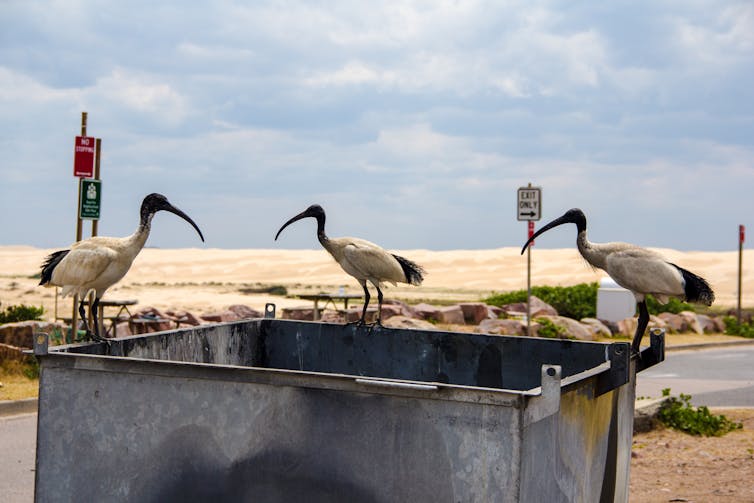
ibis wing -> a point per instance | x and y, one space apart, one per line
82 266
365 260
645 272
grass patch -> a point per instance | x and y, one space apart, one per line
19 380
679 414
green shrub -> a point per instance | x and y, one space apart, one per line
549 330
733 327
12 314
578 301
677 413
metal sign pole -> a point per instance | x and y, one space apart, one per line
529 209
741 235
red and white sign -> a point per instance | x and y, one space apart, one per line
83 157
741 233
531 231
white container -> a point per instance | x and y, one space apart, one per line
614 303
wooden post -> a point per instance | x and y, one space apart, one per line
75 314
95 225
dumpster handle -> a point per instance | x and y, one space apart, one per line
394 384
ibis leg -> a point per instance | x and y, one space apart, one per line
84 319
379 306
366 302
94 308
642 325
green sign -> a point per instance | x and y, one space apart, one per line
91 196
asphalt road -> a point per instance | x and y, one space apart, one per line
722 377
713 377
18 440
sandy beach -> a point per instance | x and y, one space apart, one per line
204 280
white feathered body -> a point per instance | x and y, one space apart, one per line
97 263
365 260
642 271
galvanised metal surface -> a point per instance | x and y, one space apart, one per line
276 410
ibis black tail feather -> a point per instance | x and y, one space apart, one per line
414 272
49 265
696 288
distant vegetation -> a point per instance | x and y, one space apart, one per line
733 327
677 413
12 314
578 301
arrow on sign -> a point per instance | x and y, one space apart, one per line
530 214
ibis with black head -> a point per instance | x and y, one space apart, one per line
99 262
364 260
642 271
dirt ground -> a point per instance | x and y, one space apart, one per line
670 466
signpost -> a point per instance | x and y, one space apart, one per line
529 209
91 192
86 167
741 238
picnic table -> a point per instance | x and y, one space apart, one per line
328 298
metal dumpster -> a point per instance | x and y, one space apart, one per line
272 410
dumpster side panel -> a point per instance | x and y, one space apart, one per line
564 455
134 436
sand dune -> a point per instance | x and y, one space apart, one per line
203 280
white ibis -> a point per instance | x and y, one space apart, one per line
639 270
363 260
98 263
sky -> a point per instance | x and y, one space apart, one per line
413 123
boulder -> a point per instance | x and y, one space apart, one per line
451 315
573 329
627 327
612 326
8 352
656 322
332 316
390 310
674 323
708 324
405 309
427 312
297 313
538 307
502 327
183 318
597 327
401 321
148 320
220 316
494 311
353 314
21 333
245 312
474 312
693 321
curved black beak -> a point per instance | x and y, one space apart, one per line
172 209
303 214
314 211
573 216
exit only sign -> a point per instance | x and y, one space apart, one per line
91 198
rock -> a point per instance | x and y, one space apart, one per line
494 311
400 321
245 312
656 322
502 327
183 318
451 315
390 310
708 324
427 312
474 312
9 352
573 329
220 316
598 328
353 314
297 313
148 320
692 320
627 327
538 307
332 316
21 333
719 324
405 309
674 323
612 326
